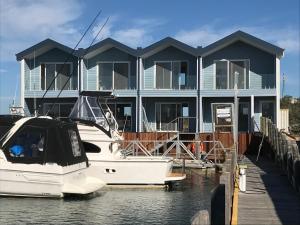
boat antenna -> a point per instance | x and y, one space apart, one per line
69 57
81 57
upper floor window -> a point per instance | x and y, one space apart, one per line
61 71
231 72
171 75
113 75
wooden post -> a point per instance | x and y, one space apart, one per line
225 179
201 218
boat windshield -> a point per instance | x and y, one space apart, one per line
87 108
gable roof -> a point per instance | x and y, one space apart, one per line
244 37
106 44
42 47
164 43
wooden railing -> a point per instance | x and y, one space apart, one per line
285 151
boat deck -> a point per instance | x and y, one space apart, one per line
269 197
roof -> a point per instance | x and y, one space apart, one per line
42 47
164 43
245 37
106 44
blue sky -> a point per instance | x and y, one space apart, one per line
23 23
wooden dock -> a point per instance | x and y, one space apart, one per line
269 197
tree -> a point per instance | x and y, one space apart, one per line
294 113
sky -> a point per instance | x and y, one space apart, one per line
138 23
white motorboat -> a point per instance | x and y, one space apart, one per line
98 132
42 157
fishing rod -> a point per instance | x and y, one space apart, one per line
68 58
80 58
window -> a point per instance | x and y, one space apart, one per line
163 75
179 72
27 145
229 73
171 75
221 75
74 143
120 75
113 75
59 70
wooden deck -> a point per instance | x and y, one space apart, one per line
270 198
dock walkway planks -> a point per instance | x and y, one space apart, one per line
269 197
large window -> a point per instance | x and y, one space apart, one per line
171 75
113 75
229 73
61 71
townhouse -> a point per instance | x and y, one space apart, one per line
168 85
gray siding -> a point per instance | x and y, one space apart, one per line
262 65
110 55
169 54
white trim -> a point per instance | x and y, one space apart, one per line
22 84
201 113
252 112
78 73
87 74
140 112
30 79
277 86
136 113
82 74
197 73
137 87
201 73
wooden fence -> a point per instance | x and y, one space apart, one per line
285 151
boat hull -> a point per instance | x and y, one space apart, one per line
35 180
134 170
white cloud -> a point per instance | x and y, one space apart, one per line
23 23
139 32
285 37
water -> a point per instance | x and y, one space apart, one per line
115 206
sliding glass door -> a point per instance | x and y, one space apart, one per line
168 115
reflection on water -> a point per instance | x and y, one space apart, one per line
115 206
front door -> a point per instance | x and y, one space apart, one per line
244 116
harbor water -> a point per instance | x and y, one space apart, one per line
114 206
